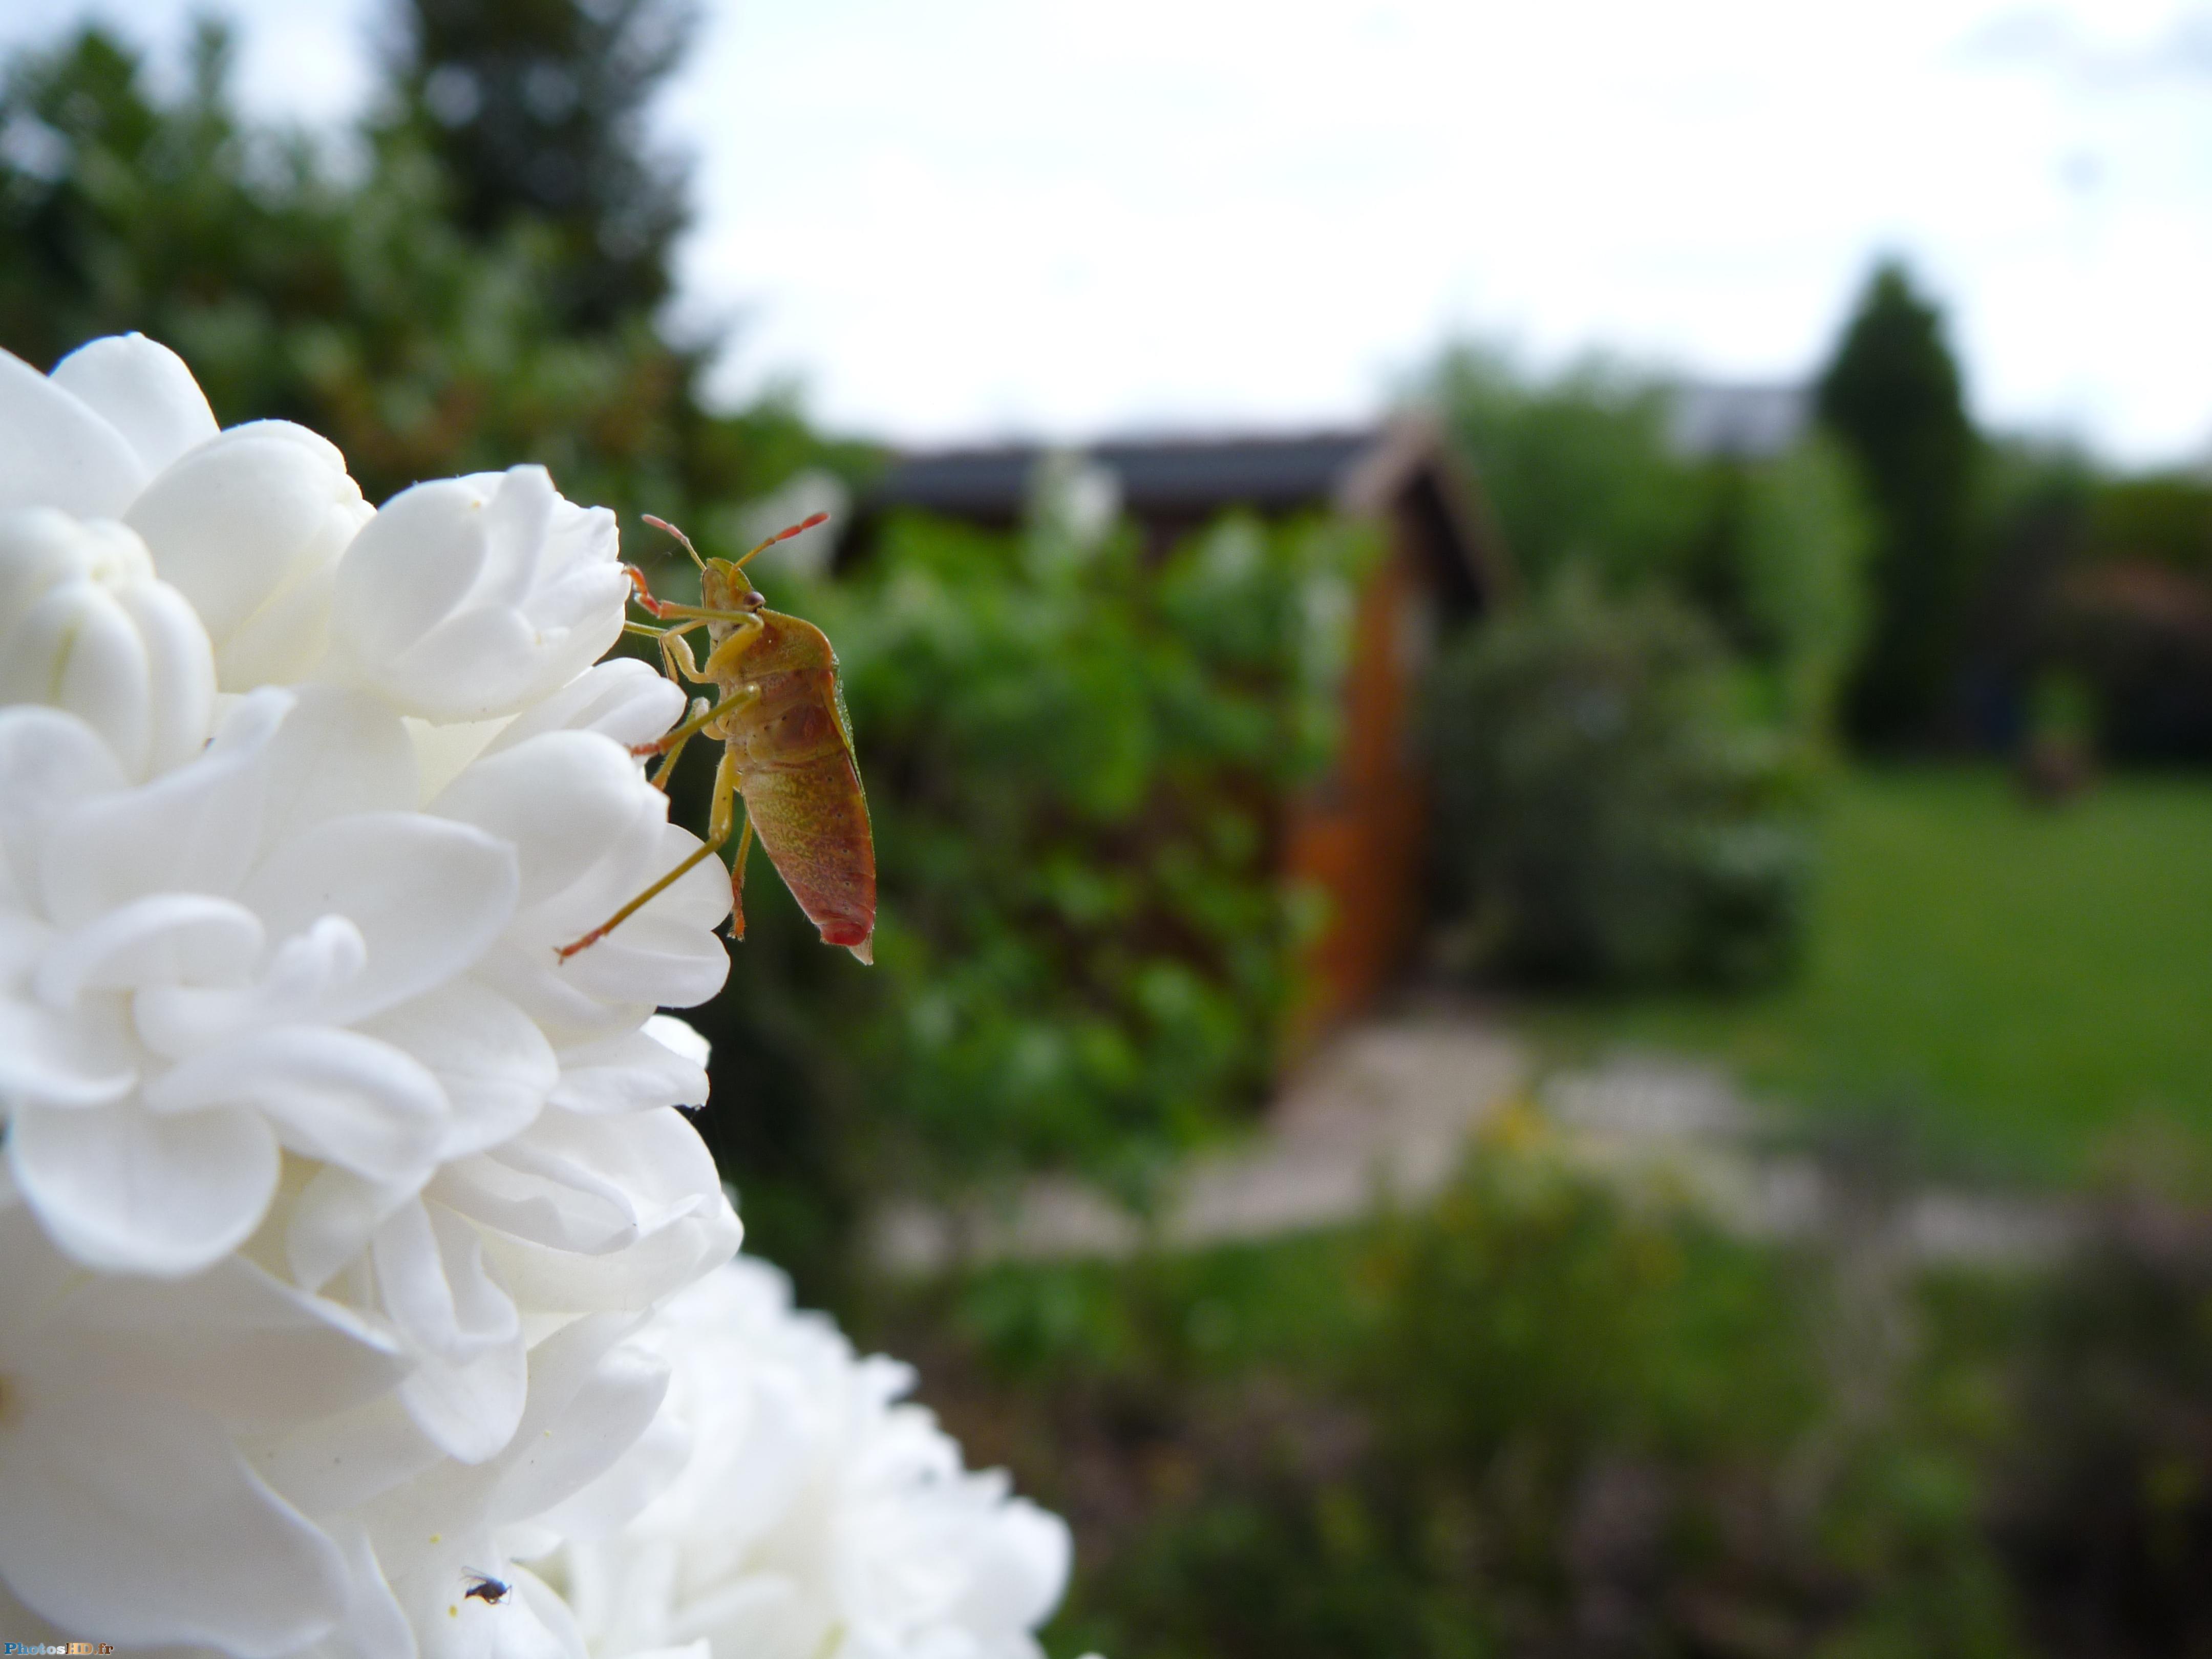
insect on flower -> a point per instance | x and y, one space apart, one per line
486 1589
786 749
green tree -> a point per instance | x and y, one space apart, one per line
357 304
1892 395
536 110
1577 468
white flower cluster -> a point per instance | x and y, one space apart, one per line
335 1201
815 1518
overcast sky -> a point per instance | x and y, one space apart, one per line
955 218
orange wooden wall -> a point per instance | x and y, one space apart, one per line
1359 834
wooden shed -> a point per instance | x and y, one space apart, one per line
1358 834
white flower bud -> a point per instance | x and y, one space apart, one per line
249 528
85 626
466 599
142 389
56 450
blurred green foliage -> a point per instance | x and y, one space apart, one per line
1076 755
1581 474
1567 1412
1608 809
2164 517
1577 468
345 291
1623 762
534 110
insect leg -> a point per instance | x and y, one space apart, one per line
676 659
701 714
719 828
702 718
738 880
669 741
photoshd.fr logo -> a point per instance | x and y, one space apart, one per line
55 1647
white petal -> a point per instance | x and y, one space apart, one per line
337 753
335 1094
666 955
346 1459
409 567
333 1219
143 390
493 1062
469 597
374 1624
241 520
427 895
578 1211
635 1071
55 452
192 829
680 1037
442 752
249 1350
163 936
63 1057
38 1279
602 1506
180 672
124 1190
131 1519
605 1417
532 1623
299 979
47 760
430 1272
283 642
684 1226
1018 1560
469 1407
563 799
620 698
77 650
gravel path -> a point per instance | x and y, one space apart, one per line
1382 1114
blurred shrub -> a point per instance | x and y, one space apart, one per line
1557 1414
1802 540
1581 474
1608 812
2105 1506
1578 468
1076 755
1565 1412
2130 614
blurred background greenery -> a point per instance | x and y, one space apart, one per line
1867 762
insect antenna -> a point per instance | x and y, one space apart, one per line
662 524
783 535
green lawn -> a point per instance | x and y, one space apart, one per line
2029 984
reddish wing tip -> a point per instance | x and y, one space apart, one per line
861 941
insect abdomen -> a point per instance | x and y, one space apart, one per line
804 799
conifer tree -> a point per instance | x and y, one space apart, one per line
1892 394
537 111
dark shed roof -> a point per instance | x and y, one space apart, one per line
1171 484
1175 477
